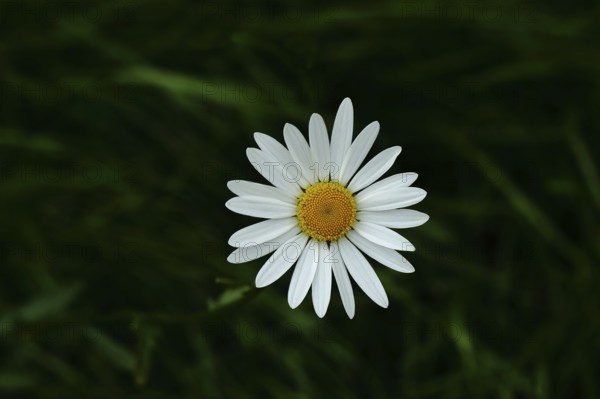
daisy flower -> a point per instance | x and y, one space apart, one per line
324 211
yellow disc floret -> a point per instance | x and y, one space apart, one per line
326 211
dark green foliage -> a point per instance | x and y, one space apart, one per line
122 121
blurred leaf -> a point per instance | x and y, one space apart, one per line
229 296
177 84
117 354
147 336
15 139
47 305
584 160
15 382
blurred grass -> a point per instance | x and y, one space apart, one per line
122 121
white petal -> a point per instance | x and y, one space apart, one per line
260 207
392 199
341 136
343 280
291 169
374 169
246 188
300 151
262 232
395 219
385 256
319 146
383 236
249 253
362 272
272 170
321 287
358 152
281 261
304 274
389 183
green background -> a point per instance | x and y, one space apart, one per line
121 123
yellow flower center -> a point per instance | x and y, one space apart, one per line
326 211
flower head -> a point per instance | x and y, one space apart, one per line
323 212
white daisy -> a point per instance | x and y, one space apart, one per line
324 213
